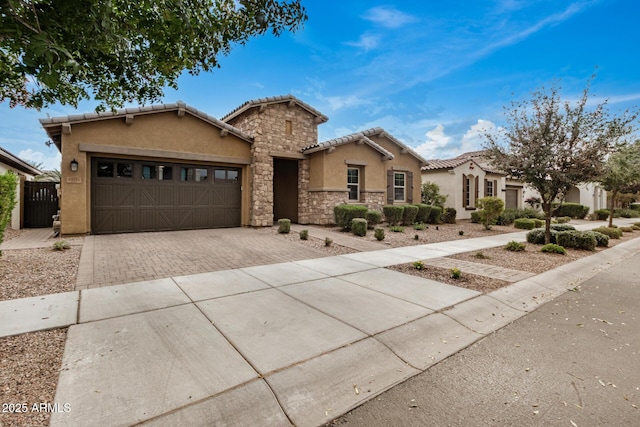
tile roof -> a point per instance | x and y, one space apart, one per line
274 100
52 125
477 157
17 163
355 137
444 164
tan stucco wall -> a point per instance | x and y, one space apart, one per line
150 137
401 162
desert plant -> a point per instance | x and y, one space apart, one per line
418 265
515 246
573 210
481 255
304 234
536 236
416 237
601 214
528 223
435 215
328 241
449 215
393 214
552 248
8 186
563 219
344 214
461 233
359 226
419 226
373 218
576 240
506 217
475 217
409 214
602 240
455 273
626 213
379 234
423 213
490 210
396 228
626 229
612 232
431 194
562 227
60 245
284 226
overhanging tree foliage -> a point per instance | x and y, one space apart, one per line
621 174
121 50
553 144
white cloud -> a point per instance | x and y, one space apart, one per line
48 162
440 145
367 42
474 137
436 141
388 17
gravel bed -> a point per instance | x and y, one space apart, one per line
311 242
443 275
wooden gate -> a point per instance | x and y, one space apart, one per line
40 204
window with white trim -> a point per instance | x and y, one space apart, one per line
399 186
353 183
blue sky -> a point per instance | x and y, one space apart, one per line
432 73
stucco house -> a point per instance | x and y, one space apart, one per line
25 172
173 167
589 194
466 178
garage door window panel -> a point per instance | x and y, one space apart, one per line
124 170
194 174
105 170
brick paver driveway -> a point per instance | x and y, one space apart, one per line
125 258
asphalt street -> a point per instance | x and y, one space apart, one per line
573 362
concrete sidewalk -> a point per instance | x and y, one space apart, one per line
298 342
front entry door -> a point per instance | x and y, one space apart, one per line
285 189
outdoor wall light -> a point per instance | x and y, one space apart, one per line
74 165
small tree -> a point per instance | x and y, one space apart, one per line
8 185
552 145
431 194
490 210
621 174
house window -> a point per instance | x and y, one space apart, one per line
467 192
353 183
399 186
288 127
470 186
491 192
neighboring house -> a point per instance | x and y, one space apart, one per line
25 172
172 167
468 177
588 194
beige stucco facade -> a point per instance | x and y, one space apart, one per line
285 171
24 172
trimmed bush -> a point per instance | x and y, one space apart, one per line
359 226
475 217
418 265
409 214
393 213
423 213
602 240
576 240
552 248
419 226
536 236
529 213
528 223
396 228
515 246
563 219
379 234
435 215
490 210
601 214
613 233
455 273
284 226
304 234
373 218
635 206
627 229
573 210
626 213
344 214
562 227
449 215
506 217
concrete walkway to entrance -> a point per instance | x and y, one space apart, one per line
298 342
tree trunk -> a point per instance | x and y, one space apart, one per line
614 194
546 208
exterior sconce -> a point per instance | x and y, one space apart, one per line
74 165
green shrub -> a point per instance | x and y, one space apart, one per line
8 186
515 246
602 214
328 241
576 240
536 236
435 215
418 265
480 255
626 229
284 226
602 240
379 234
449 215
528 223
573 210
626 213
304 234
563 219
506 217
396 228
461 233
635 206
419 226
409 214
455 273
490 210
475 217
373 218
61 245
423 213
529 213
552 248
612 232
562 227
393 213
344 214
359 226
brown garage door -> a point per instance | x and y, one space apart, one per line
134 195
511 196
